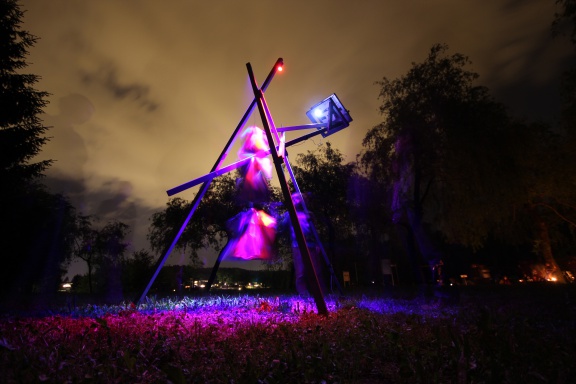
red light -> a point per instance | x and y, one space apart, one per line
280 68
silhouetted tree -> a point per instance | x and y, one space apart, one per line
565 19
207 228
324 179
556 198
545 208
375 233
103 251
136 270
21 131
29 213
110 247
565 24
84 244
441 155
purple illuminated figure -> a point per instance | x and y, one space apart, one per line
252 235
253 183
314 248
252 232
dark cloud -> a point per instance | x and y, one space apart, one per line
72 187
107 77
116 200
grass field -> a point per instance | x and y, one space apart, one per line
517 334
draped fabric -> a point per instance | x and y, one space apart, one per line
252 235
253 183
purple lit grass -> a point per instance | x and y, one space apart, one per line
487 336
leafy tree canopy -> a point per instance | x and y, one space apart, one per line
207 228
441 149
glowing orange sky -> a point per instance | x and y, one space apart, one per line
145 93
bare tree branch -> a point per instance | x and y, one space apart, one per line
557 213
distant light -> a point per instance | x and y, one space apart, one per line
66 285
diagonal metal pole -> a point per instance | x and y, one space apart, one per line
204 187
237 164
297 189
305 252
314 231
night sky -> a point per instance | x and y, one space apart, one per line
146 93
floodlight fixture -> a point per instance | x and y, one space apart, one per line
331 113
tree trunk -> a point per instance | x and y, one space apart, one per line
545 249
407 236
429 251
414 213
89 276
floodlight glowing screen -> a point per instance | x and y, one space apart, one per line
331 112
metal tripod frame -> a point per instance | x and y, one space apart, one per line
278 159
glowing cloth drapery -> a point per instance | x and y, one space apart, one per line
253 185
254 141
252 235
252 232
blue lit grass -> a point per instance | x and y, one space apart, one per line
290 305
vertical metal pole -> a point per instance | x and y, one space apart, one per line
297 189
204 187
309 266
